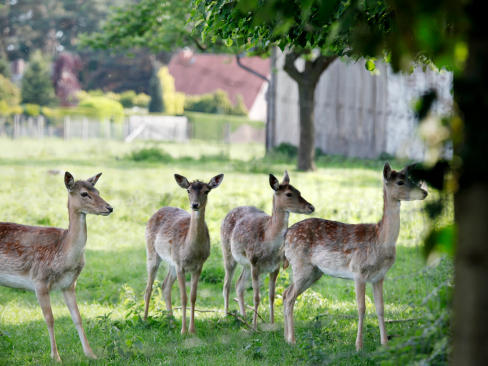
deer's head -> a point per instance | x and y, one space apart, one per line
84 197
287 197
400 187
198 191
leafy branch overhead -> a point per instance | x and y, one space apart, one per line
159 26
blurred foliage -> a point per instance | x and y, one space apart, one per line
102 108
174 101
156 105
159 26
217 102
37 86
9 93
127 98
5 68
141 100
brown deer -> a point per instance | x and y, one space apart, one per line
182 241
44 259
255 240
362 252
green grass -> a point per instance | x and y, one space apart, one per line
110 288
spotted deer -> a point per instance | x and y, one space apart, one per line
182 241
44 259
362 253
255 240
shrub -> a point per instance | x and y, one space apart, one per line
127 98
5 68
141 100
32 109
150 154
156 93
9 93
216 102
37 86
102 108
95 93
113 96
174 102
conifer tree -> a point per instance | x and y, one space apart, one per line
155 91
37 86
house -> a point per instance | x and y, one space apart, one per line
197 74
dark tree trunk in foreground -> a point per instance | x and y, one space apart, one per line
470 323
307 81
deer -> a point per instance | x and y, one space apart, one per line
362 252
183 242
255 240
45 259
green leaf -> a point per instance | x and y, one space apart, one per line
370 66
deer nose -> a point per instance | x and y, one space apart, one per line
311 208
195 205
110 209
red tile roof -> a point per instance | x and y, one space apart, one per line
205 73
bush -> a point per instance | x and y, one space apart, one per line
37 86
156 93
5 68
102 108
216 102
9 93
141 100
32 109
150 154
127 98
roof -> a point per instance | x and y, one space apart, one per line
197 74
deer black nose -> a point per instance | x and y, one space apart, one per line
194 205
311 208
110 209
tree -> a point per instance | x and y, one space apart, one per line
5 68
302 27
37 86
156 104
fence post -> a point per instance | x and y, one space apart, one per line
84 129
16 131
40 127
66 127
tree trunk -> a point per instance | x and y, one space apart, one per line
306 149
470 330
307 81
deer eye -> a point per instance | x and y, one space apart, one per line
188 190
207 192
289 195
400 183
84 194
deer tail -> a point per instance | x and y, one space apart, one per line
285 262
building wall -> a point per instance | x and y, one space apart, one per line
359 114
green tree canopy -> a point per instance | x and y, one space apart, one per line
37 86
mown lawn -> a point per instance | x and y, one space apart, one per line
110 288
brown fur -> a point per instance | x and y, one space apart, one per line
255 240
182 240
43 259
362 252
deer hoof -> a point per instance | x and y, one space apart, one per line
183 331
91 355
55 357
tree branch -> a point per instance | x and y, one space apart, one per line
290 67
250 307
243 321
319 65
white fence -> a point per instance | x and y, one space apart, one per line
162 128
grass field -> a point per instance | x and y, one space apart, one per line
110 288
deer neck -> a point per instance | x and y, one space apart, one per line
278 223
197 233
389 226
75 241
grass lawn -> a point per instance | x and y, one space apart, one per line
111 286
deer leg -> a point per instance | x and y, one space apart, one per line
380 312
167 286
70 299
193 298
45 302
301 282
230 267
273 276
152 270
241 288
180 273
361 301
257 296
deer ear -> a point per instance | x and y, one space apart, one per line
273 182
386 172
93 180
408 169
182 181
69 181
215 181
286 177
